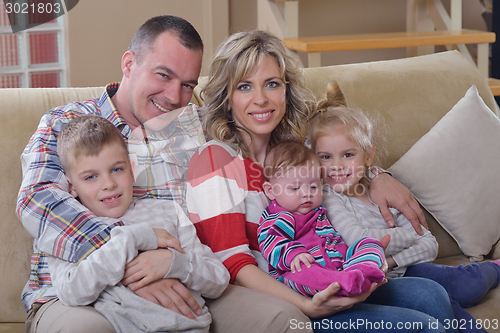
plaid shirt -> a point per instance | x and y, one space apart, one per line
64 228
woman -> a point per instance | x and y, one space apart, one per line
255 97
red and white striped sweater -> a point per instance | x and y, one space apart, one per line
225 201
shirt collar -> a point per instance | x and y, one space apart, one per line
108 109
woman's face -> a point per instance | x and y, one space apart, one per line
259 101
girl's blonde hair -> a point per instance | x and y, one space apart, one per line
234 61
332 111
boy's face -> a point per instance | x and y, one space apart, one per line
298 190
103 183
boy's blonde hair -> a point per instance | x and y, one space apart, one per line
87 135
332 111
285 155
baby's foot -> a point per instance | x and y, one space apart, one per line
353 283
371 271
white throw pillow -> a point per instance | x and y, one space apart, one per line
453 171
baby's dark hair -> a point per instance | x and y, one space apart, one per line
285 155
332 111
87 135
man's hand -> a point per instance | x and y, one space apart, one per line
172 295
146 268
305 258
165 239
387 192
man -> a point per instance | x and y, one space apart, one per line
160 70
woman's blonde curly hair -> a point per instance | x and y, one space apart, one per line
234 61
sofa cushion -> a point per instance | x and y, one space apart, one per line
21 111
453 171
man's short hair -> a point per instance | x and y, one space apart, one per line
87 135
145 37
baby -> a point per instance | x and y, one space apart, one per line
295 231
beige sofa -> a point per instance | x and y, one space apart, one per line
410 94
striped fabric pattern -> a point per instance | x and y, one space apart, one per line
355 219
225 200
283 235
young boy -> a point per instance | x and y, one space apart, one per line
295 231
95 160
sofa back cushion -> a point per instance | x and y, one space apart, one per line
21 110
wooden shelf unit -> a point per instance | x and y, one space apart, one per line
428 25
387 40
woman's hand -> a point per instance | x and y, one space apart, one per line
146 268
386 191
325 303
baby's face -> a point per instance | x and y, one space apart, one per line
103 183
299 189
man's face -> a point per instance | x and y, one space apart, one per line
162 81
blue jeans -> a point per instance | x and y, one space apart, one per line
401 305
466 286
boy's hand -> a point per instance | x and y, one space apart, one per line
146 268
165 239
305 258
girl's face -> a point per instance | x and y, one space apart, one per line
259 101
342 161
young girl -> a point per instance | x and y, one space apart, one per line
294 230
342 139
